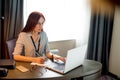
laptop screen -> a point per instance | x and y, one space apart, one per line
75 58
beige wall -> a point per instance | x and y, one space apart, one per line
114 63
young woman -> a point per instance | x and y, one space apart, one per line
32 42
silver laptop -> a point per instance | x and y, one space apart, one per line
75 57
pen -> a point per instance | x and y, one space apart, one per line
52 58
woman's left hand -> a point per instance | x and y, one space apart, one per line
56 57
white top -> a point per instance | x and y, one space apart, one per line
24 45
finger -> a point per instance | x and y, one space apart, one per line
63 59
42 61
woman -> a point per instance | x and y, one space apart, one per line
32 42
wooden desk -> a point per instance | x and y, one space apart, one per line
86 72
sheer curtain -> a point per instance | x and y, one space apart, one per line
65 19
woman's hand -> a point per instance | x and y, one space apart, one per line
56 57
39 60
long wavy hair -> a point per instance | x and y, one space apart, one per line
32 21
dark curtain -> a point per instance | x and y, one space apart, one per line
13 22
1 22
99 42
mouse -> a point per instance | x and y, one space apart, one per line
3 72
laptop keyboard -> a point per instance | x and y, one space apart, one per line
60 67
55 65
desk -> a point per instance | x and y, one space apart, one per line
85 72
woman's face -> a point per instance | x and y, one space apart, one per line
39 25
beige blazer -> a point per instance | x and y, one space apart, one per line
24 45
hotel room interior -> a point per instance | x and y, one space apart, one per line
103 41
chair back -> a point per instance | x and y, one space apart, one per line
10 47
62 46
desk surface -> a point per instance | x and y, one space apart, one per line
89 67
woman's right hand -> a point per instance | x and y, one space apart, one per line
39 60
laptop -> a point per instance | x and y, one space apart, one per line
75 58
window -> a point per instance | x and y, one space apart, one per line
65 19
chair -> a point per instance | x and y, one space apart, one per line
57 47
61 47
10 44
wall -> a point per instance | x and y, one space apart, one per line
114 62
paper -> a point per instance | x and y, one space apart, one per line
22 68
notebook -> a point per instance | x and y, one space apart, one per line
7 63
75 58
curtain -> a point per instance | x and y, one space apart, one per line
99 41
1 20
13 22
